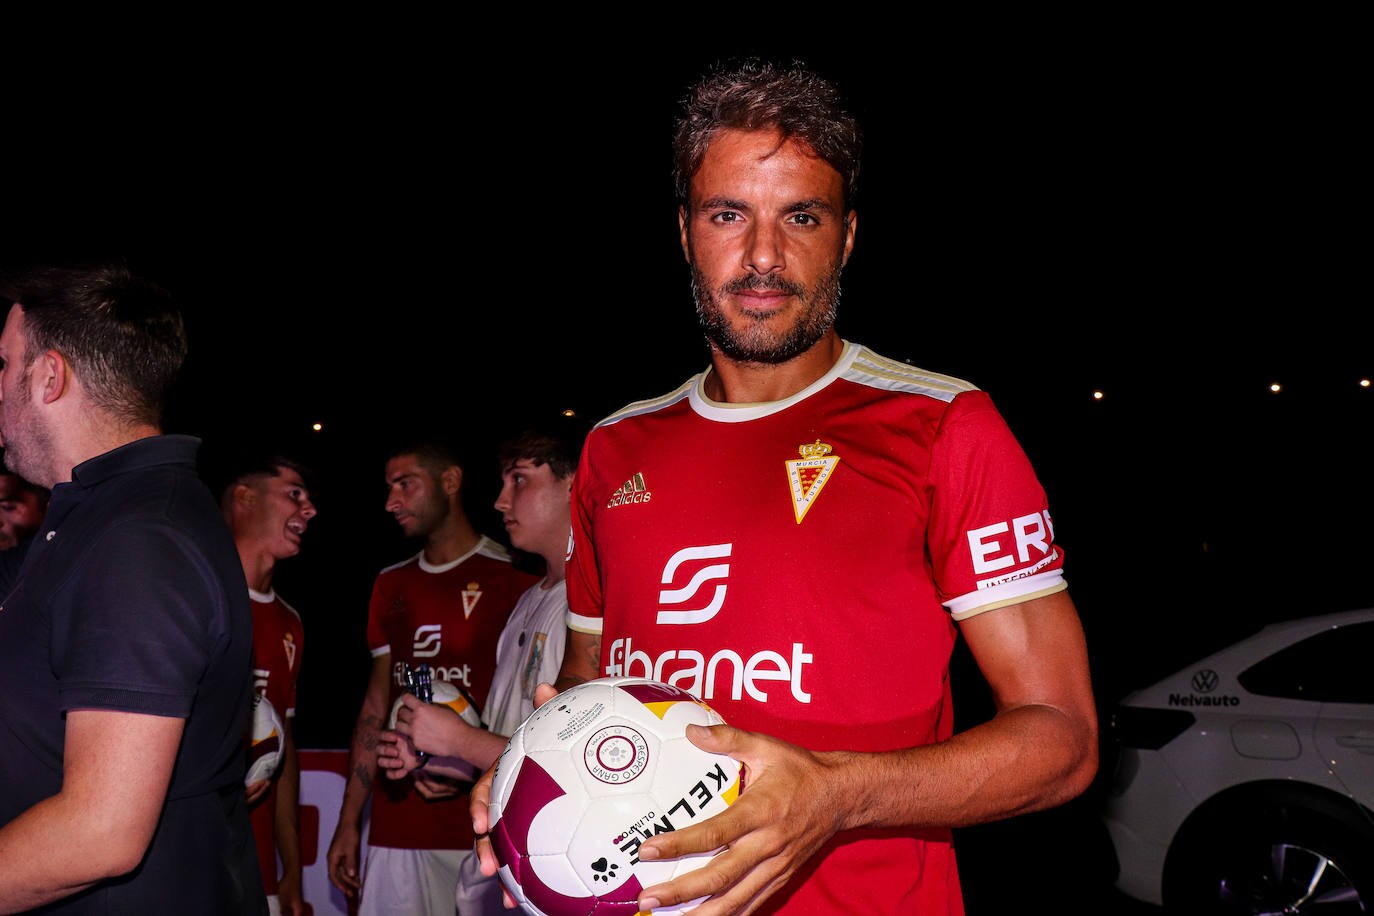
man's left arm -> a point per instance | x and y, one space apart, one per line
115 773
1038 751
287 823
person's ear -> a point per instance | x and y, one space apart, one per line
451 480
52 374
245 496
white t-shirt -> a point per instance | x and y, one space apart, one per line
529 652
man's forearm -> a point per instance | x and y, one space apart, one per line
43 856
286 818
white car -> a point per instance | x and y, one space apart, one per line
1245 782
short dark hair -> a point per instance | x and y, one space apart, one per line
756 94
555 441
246 468
122 334
434 455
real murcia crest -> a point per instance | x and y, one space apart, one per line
288 643
808 474
471 595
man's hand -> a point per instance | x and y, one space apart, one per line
256 790
396 755
480 797
785 814
289 895
435 787
342 859
430 727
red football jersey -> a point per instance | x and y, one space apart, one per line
450 618
799 566
277 638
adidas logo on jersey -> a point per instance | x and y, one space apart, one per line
633 490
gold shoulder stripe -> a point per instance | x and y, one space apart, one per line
649 406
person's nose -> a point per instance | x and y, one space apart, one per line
307 509
764 253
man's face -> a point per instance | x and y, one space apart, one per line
414 497
534 507
21 512
26 439
766 236
281 512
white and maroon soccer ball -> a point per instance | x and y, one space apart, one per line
450 695
586 778
267 741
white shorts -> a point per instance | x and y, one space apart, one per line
410 882
478 895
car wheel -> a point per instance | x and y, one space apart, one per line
1285 861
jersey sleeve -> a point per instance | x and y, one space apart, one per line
991 538
377 641
584 579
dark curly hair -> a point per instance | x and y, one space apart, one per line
756 94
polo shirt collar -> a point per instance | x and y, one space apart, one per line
134 456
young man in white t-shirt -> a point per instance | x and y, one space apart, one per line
537 469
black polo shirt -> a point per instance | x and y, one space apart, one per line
131 597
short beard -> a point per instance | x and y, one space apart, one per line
754 344
433 516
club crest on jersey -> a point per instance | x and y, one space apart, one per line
808 475
288 643
471 595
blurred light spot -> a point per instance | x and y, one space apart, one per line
569 412
317 426
1364 383
1097 395
1276 387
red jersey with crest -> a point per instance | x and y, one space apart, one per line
277 638
449 617
799 565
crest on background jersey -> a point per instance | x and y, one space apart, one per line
808 475
288 643
471 595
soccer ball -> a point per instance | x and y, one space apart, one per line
267 742
590 775
450 695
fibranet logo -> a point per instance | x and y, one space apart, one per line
699 599
693 671
454 674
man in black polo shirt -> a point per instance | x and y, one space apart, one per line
125 632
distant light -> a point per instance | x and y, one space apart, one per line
1275 387
1364 383
317 426
569 412
1097 395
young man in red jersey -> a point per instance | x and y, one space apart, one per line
268 507
795 534
537 472
444 607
